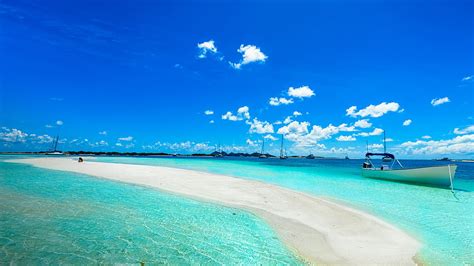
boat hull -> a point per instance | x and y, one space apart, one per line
434 176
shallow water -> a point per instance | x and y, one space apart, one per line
444 223
52 217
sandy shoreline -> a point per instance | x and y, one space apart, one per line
317 229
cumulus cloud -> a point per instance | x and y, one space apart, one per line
103 132
250 54
375 146
13 135
250 142
270 137
303 135
59 123
211 122
129 138
426 137
205 48
260 127
456 145
467 78
296 113
346 138
275 101
301 92
288 120
208 112
467 130
438 101
375 132
373 110
242 113
363 123
48 126
407 122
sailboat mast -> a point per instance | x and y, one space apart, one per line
384 144
56 143
281 148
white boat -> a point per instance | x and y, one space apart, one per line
435 175
441 176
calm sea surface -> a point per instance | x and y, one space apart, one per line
443 222
64 217
52 217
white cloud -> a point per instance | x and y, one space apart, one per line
345 138
457 145
270 137
48 126
288 120
103 132
299 132
278 122
375 146
275 101
211 122
466 78
250 54
301 92
129 138
467 130
363 123
206 47
59 123
251 142
118 144
438 101
296 113
426 137
242 113
407 122
373 110
388 139
375 132
260 127
208 112
13 135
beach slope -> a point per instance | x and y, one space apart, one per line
317 229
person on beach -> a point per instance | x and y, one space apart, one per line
80 160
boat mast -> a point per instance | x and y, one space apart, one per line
281 148
56 143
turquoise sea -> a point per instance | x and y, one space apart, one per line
52 217
64 217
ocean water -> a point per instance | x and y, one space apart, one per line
52 217
443 222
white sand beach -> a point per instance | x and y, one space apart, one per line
317 229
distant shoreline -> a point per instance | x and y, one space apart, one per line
317 229
203 155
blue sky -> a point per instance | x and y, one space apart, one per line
139 76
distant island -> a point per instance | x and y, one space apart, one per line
216 154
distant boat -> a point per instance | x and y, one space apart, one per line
54 150
444 159
262 155
310 156
282 151
435 175
346 158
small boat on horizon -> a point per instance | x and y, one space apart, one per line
54 149
310 156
